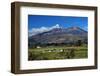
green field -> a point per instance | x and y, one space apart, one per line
57 52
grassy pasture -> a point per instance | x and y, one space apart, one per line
57 52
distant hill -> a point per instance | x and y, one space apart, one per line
59 35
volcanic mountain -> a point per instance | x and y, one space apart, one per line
59 35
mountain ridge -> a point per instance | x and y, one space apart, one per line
59 35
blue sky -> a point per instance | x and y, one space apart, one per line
36 22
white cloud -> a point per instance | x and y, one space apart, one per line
35 31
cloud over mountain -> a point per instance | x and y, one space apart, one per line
35 31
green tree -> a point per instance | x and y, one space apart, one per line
79 43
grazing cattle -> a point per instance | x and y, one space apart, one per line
38 47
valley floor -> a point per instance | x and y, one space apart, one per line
57 52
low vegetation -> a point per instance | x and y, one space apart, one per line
57 52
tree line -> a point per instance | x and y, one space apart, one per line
77 43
